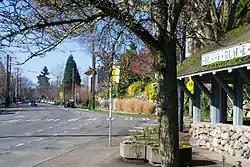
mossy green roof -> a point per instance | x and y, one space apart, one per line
192 64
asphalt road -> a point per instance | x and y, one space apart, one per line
32 135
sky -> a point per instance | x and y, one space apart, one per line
55 60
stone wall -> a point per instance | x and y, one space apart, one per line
222 138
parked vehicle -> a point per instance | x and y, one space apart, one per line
33 103
69 104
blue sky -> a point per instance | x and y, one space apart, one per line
58 57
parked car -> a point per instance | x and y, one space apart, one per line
33 103
69 104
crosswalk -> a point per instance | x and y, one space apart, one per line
95 118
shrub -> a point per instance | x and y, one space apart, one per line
150 91
134 89
134 106
59 103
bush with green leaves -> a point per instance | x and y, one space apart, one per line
205 106
150 91
134 89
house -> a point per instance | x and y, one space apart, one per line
99 80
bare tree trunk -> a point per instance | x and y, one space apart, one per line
168 99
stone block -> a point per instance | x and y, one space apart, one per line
244 139
132 151
225 135
153 155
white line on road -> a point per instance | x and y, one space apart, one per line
143 119
55 120
90 119
40 130
40 139
58 125
113 118
75 128
28 133
65 131
74 119
50 127
21 144
9 121
131 118
20 116
148 119
94 119
126 119
49 119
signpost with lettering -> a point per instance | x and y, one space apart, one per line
229 53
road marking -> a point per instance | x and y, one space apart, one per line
143 119
94 119
55 120
21 144
20 116
131 118
113 118
65 131
40 139
126 119
9 121
28 133
58 125
75 128
107 119
148 119
90 119
49 119
73 120
40 130
50 127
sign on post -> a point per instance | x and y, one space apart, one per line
61 94
190 86
115 74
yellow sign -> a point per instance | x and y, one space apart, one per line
61 94
190 86
115 74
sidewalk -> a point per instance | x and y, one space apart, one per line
98 154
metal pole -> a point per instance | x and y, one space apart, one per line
110 109
73 83
94 74
7 83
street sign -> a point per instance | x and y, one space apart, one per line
190 86
115 74
61 94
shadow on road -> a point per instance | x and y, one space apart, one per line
203 162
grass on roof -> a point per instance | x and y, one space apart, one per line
193 63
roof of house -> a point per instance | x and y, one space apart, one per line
192 65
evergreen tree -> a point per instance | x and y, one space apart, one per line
43 79
67 80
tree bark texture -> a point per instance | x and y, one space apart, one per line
168 99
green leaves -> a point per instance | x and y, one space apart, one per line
70 70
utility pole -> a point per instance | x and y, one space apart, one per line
7 97
94 74
73 84
17 73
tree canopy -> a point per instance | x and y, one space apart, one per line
68 74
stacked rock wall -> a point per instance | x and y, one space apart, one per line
222 138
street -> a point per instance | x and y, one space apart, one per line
33 135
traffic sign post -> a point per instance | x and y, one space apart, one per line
114 79
61 94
